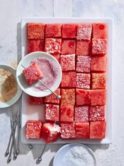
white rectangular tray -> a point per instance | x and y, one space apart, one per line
31 112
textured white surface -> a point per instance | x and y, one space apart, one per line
10 14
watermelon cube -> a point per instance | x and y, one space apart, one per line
53 30
51 99
84 31
52 112
99 46
68 62
53 45
35 31
67 113
97 113
97 129
83 64
32 73
35 100
67 131
68 96
98 80
82 130
83 48
98 97
82 97
81 114
68 79
69 31
100 31
35 45
33 129
98 64
68 46
83 80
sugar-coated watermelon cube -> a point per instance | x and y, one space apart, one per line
98 64
68 96
68 79
67 113
82 130
35 100
53 30
35 31
97 113
53 45
81 114
100 30
83 64
83 48
33 129
67 130
98 97
68 46
97 129
51 99
83 80
69 31
98 80
82 97
52 112
99 46
84 31
35 45
68 62
32 73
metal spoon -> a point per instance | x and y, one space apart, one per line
39 159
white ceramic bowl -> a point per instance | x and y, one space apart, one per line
30 90
18 94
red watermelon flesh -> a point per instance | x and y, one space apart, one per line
68 46
67 113
69 31
98 80
83 48
82 97
98 64
100 31
35 45
68 79
53 30
68 96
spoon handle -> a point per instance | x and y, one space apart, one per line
39 159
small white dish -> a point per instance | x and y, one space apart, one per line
18 94
25 62
64 156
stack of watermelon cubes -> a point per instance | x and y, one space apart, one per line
81 49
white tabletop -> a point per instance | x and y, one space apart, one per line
11 13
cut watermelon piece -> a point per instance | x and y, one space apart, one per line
84 31
97 129
35 100
82 97
51 99
81 114
32 73
99 46
35 45
97 113
68 62
69 31
68 79
98 64
33 129
50 132
67 131
98 81
83 64
52 112
35 31
68 47
68 96
83 48
82 130
67 113
53 45
100 31
53 30
98 97
83 80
